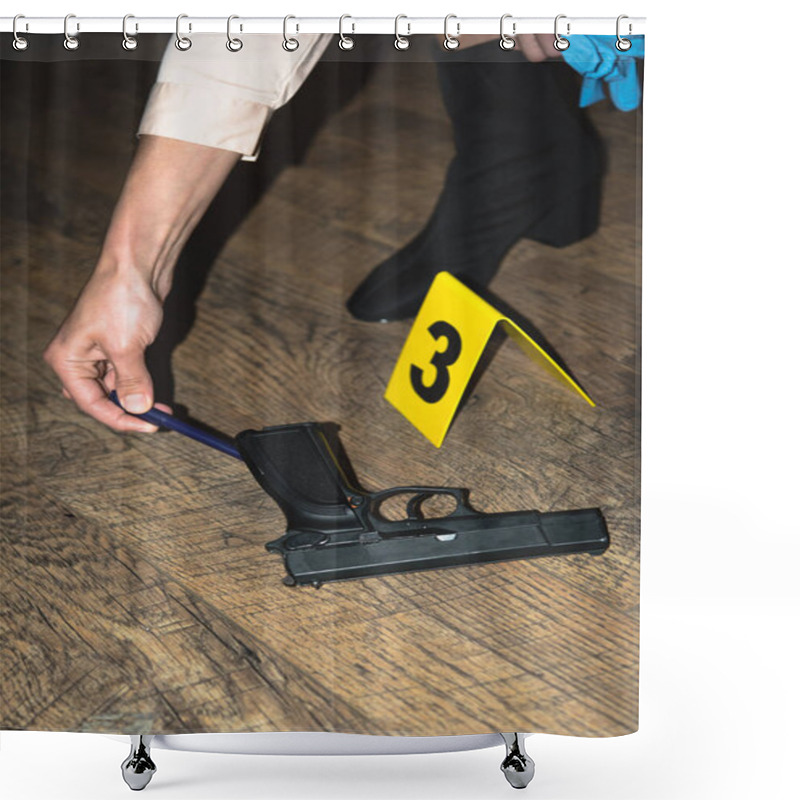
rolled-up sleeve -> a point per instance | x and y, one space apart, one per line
208 95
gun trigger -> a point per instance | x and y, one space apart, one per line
414 506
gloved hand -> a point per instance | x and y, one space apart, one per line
604 67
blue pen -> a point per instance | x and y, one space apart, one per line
164 420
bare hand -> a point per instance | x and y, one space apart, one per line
100 346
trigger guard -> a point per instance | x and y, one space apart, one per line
413 507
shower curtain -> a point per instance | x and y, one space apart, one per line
262 235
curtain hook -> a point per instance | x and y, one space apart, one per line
623 44
451 42
129 42
506 42
560 42
234 45
289 44
20 42
401 42
182 42
71 42
346 42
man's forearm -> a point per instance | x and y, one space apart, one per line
168 189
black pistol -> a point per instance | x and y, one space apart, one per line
335 529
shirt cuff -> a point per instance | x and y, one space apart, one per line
201 115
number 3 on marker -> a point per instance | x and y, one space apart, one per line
441 360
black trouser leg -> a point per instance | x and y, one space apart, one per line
527 163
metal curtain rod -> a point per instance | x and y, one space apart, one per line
247 25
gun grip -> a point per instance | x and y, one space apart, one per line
298 466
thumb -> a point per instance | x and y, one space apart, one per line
132 382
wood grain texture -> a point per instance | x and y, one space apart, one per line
137 594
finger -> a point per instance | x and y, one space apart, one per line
545 41
90 395
162 407
132 381
108 377
81 382
532 47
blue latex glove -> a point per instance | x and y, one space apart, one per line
604 67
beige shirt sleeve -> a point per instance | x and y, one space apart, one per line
208 95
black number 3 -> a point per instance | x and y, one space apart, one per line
436 391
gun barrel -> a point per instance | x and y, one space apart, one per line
513 535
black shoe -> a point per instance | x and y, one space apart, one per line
527 163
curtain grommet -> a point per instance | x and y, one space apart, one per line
346 42
182 42
401 42
129 42
560 43
451 41
20 43
289 44
71 42
233 44
623 45
506 41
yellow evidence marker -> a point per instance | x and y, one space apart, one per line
442 350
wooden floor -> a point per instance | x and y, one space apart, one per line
138 596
